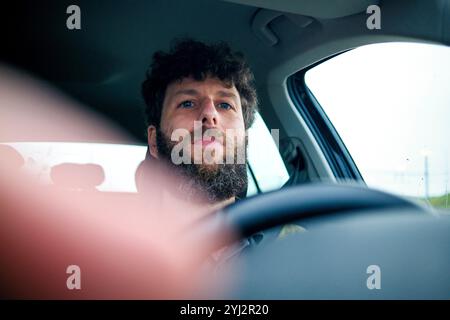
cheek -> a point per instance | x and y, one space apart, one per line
233 121
234 126
242 138
180 122
165 130
235 138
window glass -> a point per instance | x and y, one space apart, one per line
119 162
264 157
390 104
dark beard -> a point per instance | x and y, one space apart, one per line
201 182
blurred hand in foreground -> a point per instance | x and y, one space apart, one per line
125 248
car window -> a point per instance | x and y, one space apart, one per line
119 161
390 105
265 161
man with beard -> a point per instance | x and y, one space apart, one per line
206 92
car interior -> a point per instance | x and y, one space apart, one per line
103 64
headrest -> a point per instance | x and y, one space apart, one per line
77 176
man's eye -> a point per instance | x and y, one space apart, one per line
186 104
225 106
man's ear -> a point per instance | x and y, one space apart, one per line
151 139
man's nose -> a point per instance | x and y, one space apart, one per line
209 114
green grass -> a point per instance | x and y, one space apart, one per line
441 202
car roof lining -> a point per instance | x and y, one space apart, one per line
421 21
322 9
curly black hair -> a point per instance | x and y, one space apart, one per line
191 58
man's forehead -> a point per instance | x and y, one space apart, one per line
192 86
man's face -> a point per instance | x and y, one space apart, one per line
210 106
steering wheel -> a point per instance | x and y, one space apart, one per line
331 262
264 211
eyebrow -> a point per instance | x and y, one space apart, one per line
227 94
193 92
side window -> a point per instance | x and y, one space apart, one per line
118 162
390 104
266 167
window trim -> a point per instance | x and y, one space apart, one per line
328 139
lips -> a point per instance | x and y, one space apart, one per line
207 141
